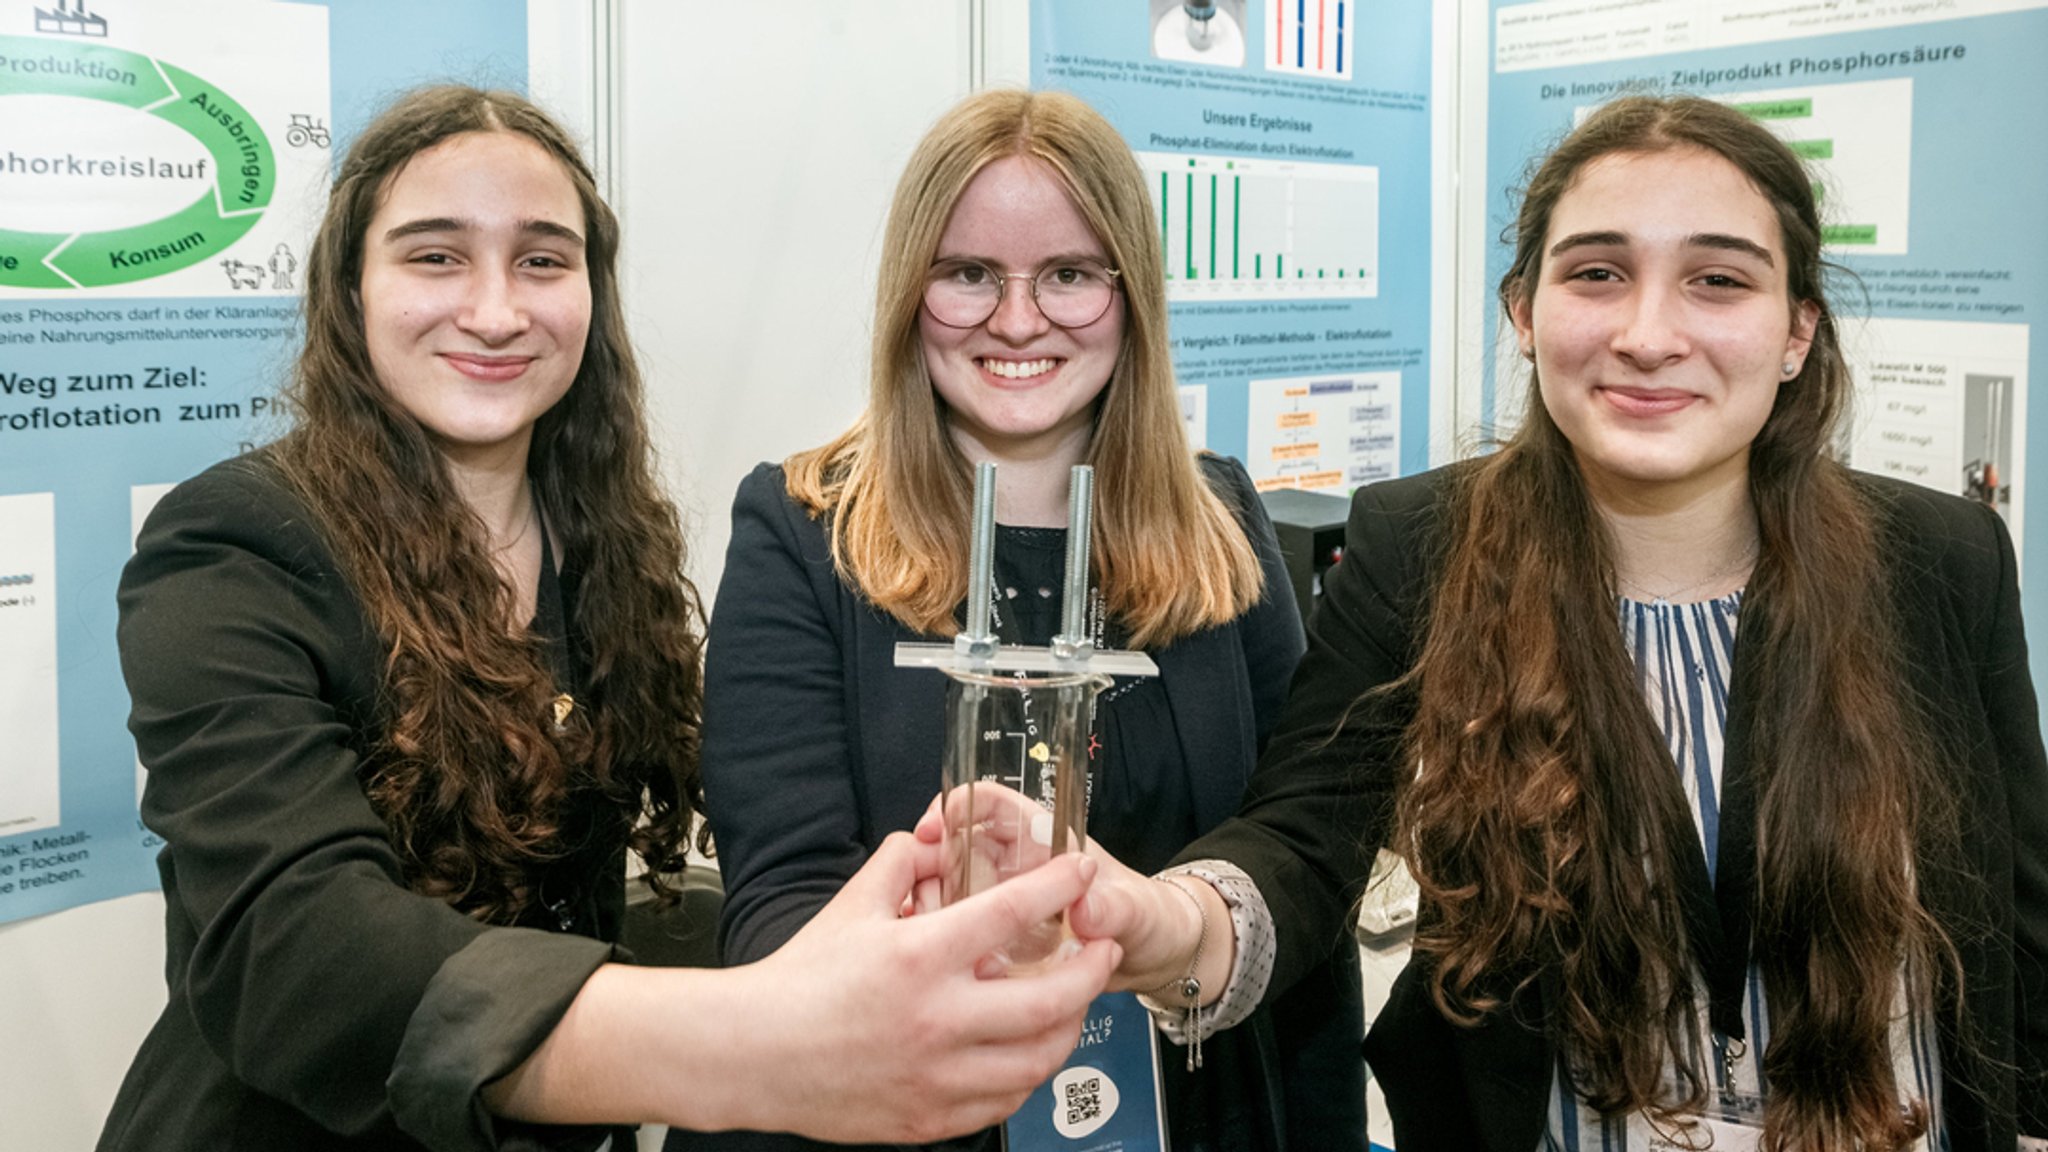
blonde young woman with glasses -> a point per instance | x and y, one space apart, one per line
1021 319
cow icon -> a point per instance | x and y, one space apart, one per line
242 275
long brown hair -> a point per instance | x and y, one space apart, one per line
468 770
1543 824
1170 556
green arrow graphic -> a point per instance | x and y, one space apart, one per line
241 152
244 165
21 259
125 255
32 67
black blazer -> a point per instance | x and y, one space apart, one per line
315 1001
1319 807
816 747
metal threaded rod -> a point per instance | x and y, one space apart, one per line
978 639
1073 639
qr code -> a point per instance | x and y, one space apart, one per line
1084 1100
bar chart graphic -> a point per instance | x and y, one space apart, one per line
1237 229
1311 38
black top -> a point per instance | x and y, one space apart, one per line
1320 805
816 746
1140 803
315 1002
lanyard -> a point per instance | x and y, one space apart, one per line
1717 903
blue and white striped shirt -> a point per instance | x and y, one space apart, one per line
1683 655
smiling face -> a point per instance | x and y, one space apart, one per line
1661 323
1018 387
475 291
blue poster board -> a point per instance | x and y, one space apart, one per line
1287 151
162 166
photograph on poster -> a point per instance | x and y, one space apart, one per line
1329 432
1988 404
1194 414
1201 32
1242 229
1312 38
28 662
1943 403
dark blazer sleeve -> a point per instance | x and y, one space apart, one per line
1318 805
777 782
299 952
1271 632
2007 691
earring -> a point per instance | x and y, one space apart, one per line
1789 368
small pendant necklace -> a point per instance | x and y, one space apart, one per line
1640 594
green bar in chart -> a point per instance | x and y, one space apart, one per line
1212 226
1165 238
1191 227
1812 149
1236 198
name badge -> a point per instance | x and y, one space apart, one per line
1707 1135
1106 1098
1737 1128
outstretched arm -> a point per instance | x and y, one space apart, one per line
1318 807
863 1027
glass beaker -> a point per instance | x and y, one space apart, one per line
1016 784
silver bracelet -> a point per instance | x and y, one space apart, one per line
1190 986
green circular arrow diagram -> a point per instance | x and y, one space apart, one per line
244 167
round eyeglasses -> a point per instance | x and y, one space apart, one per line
1070 293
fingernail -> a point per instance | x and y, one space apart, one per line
1088 867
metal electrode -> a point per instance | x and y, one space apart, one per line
976 648
1073 643
976 642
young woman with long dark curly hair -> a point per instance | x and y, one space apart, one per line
1718 764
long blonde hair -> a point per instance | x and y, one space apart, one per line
1170 555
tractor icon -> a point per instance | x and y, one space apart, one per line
304 130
